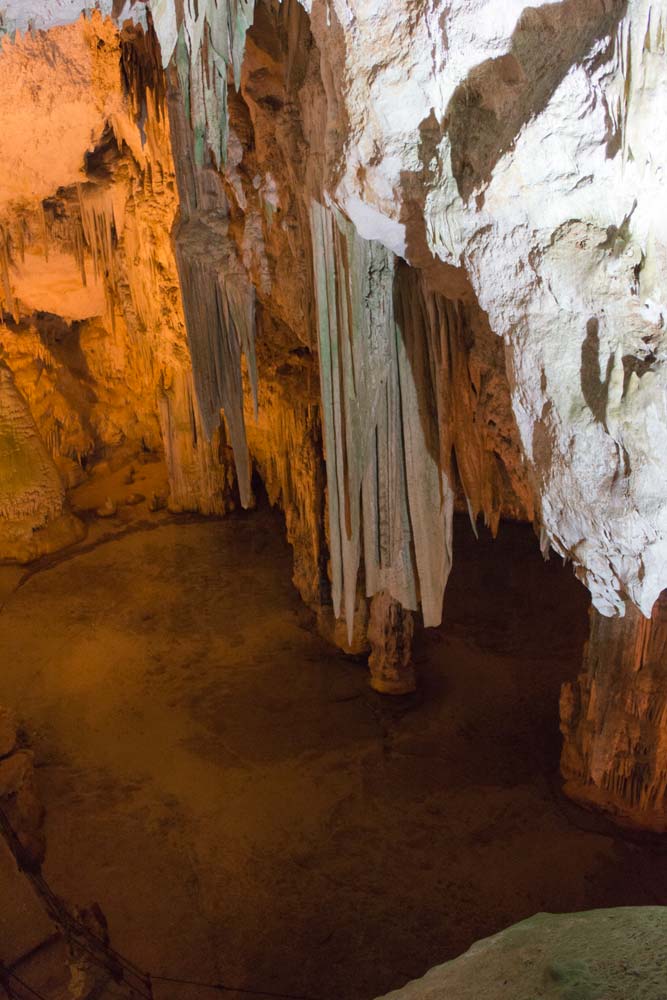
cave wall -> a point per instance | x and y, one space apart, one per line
165 272
511 165
613 720
512 141
34 518
394 258
93 323
264 204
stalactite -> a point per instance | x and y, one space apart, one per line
218 298
21 229
286 446
220 320
388 492
439 341
78 241
208 38
196 479
45 235
142 71
97 220
101 221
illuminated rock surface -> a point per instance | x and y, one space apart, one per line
613 720
615 954
502 150
379 260
34 518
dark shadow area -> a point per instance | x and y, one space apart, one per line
595 389
490 107
101 162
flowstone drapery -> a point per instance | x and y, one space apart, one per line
208 39
389 496
218 298
220 319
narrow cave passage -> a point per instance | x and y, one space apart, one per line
244 808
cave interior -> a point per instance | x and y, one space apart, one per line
333 499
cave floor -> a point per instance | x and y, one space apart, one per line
245 809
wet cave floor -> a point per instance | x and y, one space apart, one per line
241 805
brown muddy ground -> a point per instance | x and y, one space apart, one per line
245 809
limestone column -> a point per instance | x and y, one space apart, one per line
614 719
390 630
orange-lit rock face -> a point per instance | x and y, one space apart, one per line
613 720
33 515
53 284
94 331
57 91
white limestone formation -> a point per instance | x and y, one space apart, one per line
388 492
516 142
511 151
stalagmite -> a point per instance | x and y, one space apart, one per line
614 719
390 630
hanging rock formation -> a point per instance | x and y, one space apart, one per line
99 348
443 214
387 490
517 155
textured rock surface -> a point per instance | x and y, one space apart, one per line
33 512
504 151
96 335
243 242
510 141
504 154
610 954
390 631
8 732
614 718
444 211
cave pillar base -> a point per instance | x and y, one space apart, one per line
614 720
390 631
